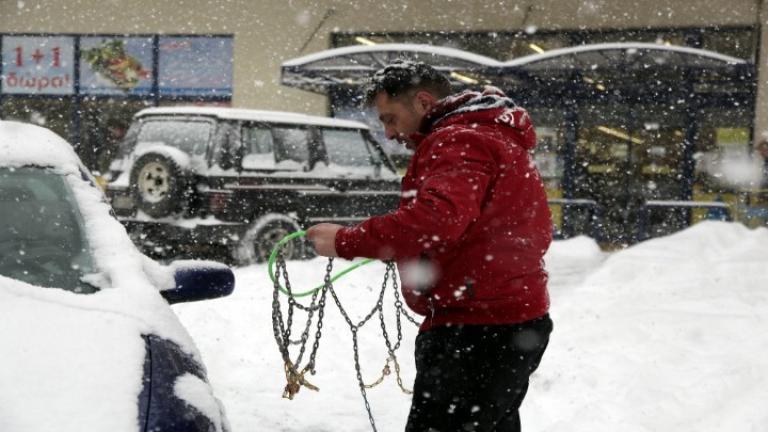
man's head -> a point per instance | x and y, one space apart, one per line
403 92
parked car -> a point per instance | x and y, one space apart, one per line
89 340
192 179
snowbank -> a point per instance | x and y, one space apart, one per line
666 335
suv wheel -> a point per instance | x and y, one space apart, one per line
257 243
159 185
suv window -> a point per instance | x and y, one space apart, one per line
291 144
258 147
188 136
347 147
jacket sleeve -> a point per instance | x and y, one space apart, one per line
458 171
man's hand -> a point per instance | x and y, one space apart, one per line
323 238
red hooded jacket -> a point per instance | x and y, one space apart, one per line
473 222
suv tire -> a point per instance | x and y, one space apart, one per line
159 184
257 243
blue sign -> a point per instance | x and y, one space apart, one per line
116 65
38 65
195 66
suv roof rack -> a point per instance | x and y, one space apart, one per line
253 115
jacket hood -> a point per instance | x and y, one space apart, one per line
491 106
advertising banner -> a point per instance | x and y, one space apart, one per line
195 66
38 65
116 65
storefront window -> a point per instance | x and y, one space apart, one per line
49 112
104 124
737 43
726 170
550 147
499 45
671 37
117 78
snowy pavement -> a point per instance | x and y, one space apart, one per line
667 335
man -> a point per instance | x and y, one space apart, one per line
468 237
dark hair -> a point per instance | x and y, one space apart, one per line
403 76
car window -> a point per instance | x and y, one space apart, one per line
258 147
188 136
291 144
42 240
347 147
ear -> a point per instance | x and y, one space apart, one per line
423 101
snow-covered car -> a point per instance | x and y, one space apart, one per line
195 179
89 341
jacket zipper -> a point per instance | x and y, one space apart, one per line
431 307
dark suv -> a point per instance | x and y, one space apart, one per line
191 180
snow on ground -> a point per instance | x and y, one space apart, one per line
667 335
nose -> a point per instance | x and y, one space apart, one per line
391 133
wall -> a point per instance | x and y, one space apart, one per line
268 32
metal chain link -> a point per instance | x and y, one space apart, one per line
282 330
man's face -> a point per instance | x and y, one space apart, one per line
401 117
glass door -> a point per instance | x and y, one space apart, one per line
624 158
601 166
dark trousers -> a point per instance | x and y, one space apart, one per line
474 377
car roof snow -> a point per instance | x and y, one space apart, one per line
253 115
23 144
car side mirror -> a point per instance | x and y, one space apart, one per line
199 280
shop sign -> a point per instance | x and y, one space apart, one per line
116 65
198 66
38 65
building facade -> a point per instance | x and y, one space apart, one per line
614 140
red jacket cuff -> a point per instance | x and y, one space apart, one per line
346 244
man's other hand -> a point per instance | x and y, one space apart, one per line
323 238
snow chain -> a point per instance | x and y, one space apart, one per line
294 372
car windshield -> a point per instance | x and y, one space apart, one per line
42 241
190 137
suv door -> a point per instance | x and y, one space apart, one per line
286 169
362 182
274 162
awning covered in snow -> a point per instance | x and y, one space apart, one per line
622 55
350 66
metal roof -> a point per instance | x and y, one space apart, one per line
351 66
613 53
363 54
